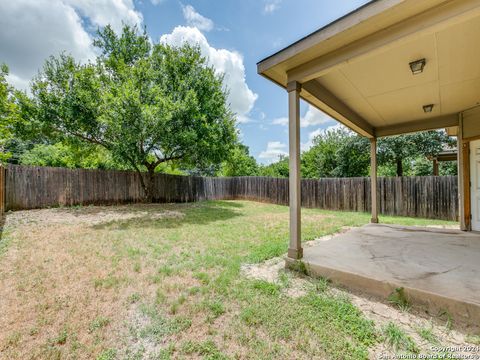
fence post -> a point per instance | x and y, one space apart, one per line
40 187
2 190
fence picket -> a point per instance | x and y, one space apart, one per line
29 187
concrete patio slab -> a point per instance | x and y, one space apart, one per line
439 269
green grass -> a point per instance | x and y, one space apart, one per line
99 323
108 282
426 333
162 325
4 239
399 299
108 354
266 287
398 339
206 349
473 339
199 299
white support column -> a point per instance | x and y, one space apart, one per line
373 179
461 175
295 250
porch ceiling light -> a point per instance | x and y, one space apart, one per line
417 66
428 108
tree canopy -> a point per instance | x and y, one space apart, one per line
340 153
152 107
239 163
276 169
146 104
336 153
9 114
398 149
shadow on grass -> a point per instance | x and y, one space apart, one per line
91 209
228 203
170 216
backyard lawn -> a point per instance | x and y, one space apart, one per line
165 281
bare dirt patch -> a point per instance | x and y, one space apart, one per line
89 215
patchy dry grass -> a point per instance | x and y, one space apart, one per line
400 331
164 281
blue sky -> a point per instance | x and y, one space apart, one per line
235 33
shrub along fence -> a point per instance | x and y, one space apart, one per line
29 187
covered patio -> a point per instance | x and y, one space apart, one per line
436 268
393 67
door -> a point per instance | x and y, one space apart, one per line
475 183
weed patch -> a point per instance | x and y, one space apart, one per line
208 349
266 287
399 298
398 339
98 323
108 354
426 333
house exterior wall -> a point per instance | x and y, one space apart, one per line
469 130
471 123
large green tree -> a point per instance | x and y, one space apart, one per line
146 104
279 168
240 163
9 114
336 153
396 150
341 153
353 157
60 154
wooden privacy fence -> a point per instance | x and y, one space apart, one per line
38 187
2 191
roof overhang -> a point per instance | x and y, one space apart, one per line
356 69
447 155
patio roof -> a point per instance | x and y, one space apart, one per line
446 155
356 69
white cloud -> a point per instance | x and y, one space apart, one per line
104 12
227 62
271 6
242 119
32 30
18 82
339 126
195 19
283 121
312 135
156 2
274 150
313 117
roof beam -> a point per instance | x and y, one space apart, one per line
452 131
347 22
432 123
338 109
424 23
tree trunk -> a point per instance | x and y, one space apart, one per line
399 167
150 186
147 181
